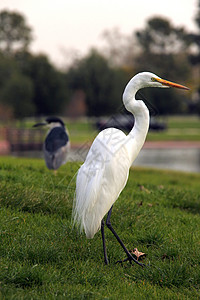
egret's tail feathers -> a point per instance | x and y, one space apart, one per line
98 185
88 209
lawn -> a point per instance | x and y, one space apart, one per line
83 131
179 128
43 257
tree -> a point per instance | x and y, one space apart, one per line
161 37
16 90
102 84
17 94
164 51
119 48
49 92
195 37
15 34
195 61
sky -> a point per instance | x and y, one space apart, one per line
66 28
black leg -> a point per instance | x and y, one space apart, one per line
104 243
130 257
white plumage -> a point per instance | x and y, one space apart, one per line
105 171
95 194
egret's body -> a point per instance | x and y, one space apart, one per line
104 174
56 145
105 171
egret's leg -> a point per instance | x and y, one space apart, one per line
130 257
104 243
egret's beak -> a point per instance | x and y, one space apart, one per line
40 124
172 84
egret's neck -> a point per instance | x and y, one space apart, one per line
137 135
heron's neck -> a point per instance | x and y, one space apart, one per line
55 124
137 135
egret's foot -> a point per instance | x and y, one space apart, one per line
130 259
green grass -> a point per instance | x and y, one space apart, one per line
42 257
184 122
81 131
179 129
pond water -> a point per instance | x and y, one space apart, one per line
187 159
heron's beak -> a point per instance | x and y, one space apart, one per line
40 124
172 84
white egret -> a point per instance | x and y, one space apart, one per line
105 171
56 145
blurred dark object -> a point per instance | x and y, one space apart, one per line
125 122
25 139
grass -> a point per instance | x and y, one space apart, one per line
42 257
179 129
81 131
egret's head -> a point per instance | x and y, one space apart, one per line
148 79
143 80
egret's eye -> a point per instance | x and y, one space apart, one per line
153 79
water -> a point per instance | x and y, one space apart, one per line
187 159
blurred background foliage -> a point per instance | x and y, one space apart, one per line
30 85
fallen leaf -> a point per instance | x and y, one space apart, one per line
165 256
137 253
142 188
150 204
140 203
160 187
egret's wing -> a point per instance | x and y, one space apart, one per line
100 180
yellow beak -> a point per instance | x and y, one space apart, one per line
172 84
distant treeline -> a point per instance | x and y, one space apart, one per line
31 85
